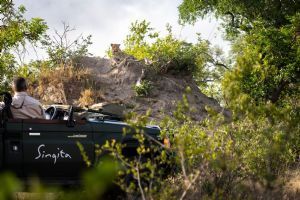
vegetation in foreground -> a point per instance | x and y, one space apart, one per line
252 155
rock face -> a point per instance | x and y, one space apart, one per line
114 83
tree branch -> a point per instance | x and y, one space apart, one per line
222 65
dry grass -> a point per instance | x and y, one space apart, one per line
69 85
293 182
87 98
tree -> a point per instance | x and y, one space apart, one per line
15 30
241 15
61 50
267 67
265 35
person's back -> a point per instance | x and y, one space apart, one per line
23 106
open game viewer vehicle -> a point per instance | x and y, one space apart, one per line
47 148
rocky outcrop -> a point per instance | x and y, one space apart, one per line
114 83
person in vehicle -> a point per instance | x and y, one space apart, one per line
23 106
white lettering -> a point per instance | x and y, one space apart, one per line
55 156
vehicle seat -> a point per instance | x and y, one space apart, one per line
6 111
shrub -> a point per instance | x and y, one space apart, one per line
169 54
143 89
217 159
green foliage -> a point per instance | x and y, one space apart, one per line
256 148
216 158
266 55
32 70
208 159
15 31
98 180
168 54
267 69
141 173
10 185
143 89
95 183
240 15
83 154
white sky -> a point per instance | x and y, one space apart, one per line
108 21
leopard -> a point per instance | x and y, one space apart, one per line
118 55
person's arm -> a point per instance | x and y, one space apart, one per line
43 113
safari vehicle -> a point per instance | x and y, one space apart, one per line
47 148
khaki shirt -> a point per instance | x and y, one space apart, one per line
26 107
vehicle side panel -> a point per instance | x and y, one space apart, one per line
51 150
110 130
13 154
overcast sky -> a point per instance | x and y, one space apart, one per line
108 21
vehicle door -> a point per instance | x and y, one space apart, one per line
114 130
51 148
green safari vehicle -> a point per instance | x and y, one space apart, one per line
47 148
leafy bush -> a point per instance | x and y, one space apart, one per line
211 159
143 89
169 54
